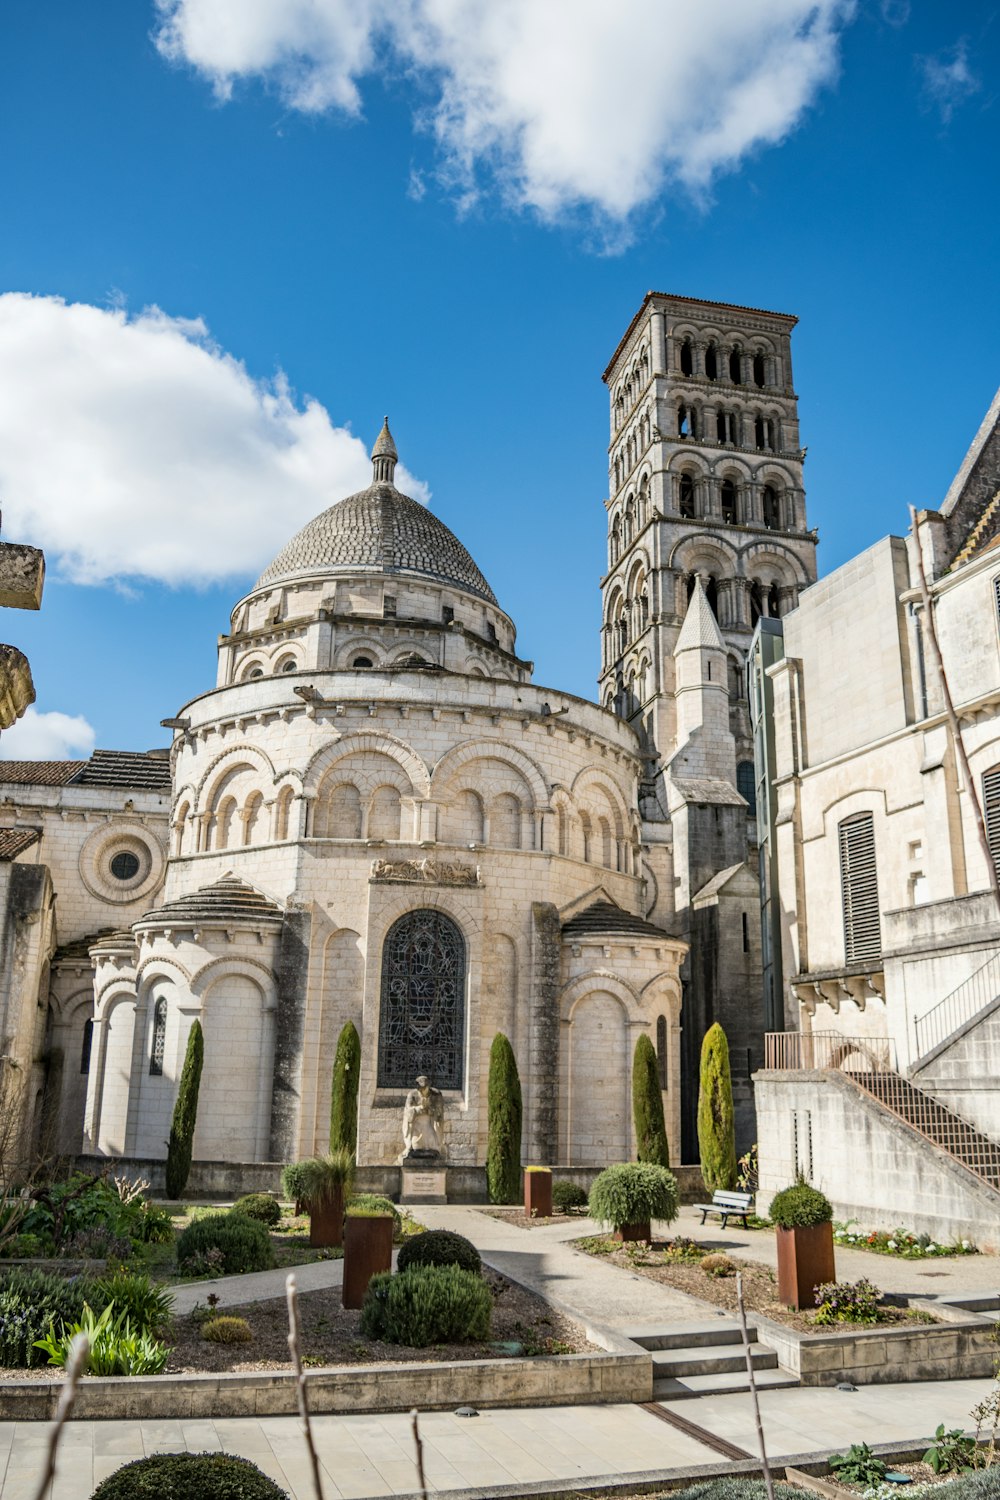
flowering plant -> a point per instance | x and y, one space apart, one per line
900 1242
847 1302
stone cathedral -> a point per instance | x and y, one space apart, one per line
375 815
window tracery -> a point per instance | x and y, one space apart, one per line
422 1013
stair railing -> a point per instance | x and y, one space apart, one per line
934 1121
965 1001
809 1051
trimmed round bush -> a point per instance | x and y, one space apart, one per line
259 1206
800 1207
374 1203
567 1195
227 1331
440 1247
189 1476
243 1243
633 1193
427 1305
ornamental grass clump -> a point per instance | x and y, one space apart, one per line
847 1302
800 1207
427 1304
147 1305
227 1330
241 1245
189 1476
321 1179
260 1206
634 1193
440 1247
374 1203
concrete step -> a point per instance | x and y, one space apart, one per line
678 1388
687 1335
705 1360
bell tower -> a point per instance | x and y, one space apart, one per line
707 532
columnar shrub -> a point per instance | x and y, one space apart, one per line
647 1106
634 1192
182 1126
259 1206
503 1117
243 1244
716 1129
440 1247
344 1094
189 1476
427 1305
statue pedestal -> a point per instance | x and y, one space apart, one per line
423 1180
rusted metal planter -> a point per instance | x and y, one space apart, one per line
538 1193
367 1250
805 1260
326 1220
631 1232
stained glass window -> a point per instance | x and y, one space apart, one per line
159 1037
422 1021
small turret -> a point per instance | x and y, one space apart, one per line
384 456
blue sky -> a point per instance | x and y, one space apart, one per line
451 218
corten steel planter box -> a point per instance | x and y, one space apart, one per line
634 1232
538 1194
805 1259
326 1220
367 1250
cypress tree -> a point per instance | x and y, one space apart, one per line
344 1094
185 1113
503 1149
716 1130
647 1106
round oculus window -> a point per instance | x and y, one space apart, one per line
125 865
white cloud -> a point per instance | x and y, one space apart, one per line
47 736
136 448
565 103
948 79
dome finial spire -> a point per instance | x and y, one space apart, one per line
384 456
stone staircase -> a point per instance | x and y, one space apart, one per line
935 1122
706 1359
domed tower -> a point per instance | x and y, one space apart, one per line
378 818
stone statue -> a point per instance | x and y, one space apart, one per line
423 1123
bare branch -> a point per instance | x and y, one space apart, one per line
300 1381
76 1363
418 1444
741 1312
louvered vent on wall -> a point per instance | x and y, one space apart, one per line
859 885
991 808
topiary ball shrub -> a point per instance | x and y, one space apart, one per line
259 1206
633 1193
440 1247
568 1195
189 1476
428 1304
244 1244
800 1207
227 1331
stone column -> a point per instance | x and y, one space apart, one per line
657 342
751 494
292 975
698 359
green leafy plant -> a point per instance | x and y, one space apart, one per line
683 1251
503 1124
800 1207
858 1466
189 1476
243 1244
374 1203
31 1301
716 1122
322 1178
344 1092
440 1247
647 1105
950 1452
633 1193
116 1348
181 1142
718 1265
568 1195
427 1304
147 1306
847 1302
748 1170
260 1206
226 1330
292 1184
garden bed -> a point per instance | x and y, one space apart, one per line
521 1220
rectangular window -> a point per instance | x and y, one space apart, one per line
389 606
991 811
859 887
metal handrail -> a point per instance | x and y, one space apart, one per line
965 1001
810 1051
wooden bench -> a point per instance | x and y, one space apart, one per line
727 1206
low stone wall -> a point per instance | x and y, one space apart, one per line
623 1374
962 1348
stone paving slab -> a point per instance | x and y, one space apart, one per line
259 1286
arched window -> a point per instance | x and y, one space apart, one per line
772 508
362 661
712 595
86 1045
607 847
642 504
687 358
224 819
623 631
384 813
859 889
284 811
422 1013
729 501
465 818
343 814
287 664
735 365
661 1049
759 369
756 602
683 422
616 541
253 818
711 363
629 522
764 433
159 1038
687 495
773 601
746 784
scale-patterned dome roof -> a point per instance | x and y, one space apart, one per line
379 529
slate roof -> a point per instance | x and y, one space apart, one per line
143 770
226 902
603 918
383 530
79 949
707 789
14 841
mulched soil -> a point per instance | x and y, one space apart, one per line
521 1220
760 1290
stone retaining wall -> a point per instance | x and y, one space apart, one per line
962 1348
